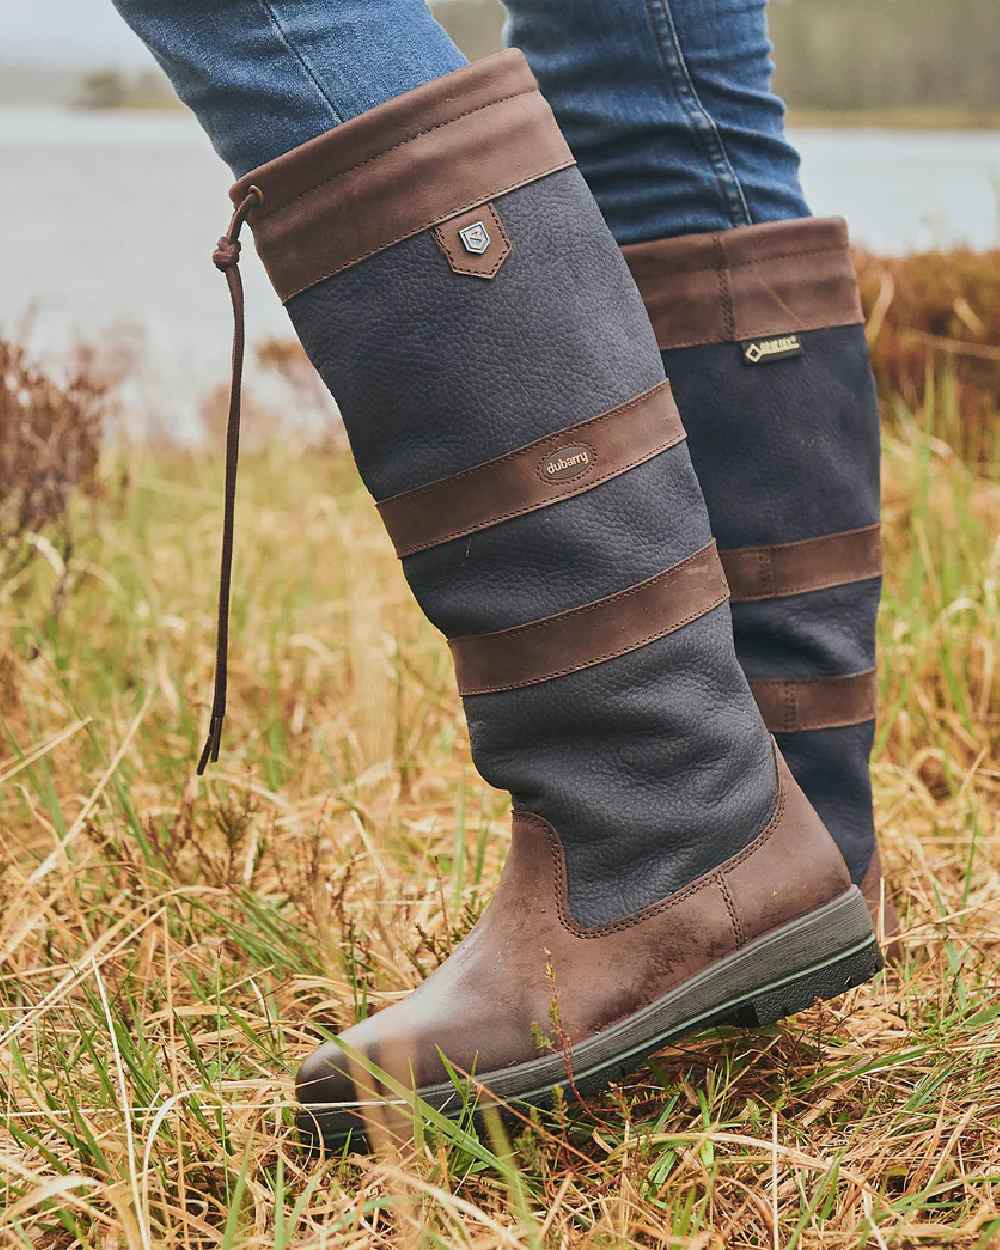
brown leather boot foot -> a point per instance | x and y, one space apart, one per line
530 1002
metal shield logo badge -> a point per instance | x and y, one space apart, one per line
475 238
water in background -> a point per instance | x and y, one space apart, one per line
110 220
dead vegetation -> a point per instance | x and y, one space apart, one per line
50 441
170 948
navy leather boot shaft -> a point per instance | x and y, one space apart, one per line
762 338
507 407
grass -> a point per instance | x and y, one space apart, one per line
169 948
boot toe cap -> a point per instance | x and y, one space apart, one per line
324 1077
332 1095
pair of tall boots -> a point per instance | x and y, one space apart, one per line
507 402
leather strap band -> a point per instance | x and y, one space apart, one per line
449 145
750 282
568 641
542 473
824 703
793 568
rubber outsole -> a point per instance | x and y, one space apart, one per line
819 956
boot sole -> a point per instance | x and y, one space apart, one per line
819 956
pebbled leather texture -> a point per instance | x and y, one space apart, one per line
535 476
654 766
786 452
593 633
823 633
519 571
460 371
644 764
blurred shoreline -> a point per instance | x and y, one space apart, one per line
893 119
111 217
915 119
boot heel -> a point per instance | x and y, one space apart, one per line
824 981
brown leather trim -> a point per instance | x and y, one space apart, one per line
825 703
542 473
449 145
793 568
749 282
568 641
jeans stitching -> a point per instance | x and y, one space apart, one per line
701 123
275 21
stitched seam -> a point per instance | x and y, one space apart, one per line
601 659
808 726
731 908
814 681
537 446
522 631
582 472
303 62
317 186
790 717
655 909
829 583
579 489
806 542
452 212
725 292
791 701
802 326
761 260
773 587
455 262
765 569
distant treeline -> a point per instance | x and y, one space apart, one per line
843 54
831 55
113 89
876 54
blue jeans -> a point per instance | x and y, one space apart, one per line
666 103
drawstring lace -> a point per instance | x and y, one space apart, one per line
227 260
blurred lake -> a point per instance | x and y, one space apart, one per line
109 220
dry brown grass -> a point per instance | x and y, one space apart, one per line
170 948
932 311
50 442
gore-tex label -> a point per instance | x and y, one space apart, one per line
777 347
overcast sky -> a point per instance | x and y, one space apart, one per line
67 32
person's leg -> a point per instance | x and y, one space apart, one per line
263 76
668 107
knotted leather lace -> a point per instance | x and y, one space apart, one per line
226 258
